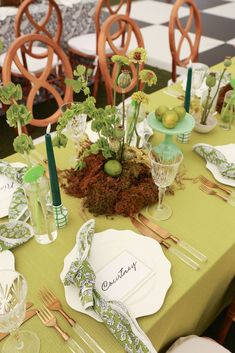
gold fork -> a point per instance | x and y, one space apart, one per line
213 184
209 191
49 320
53 303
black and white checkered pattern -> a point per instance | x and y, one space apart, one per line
218 29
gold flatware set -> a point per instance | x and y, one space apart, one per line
51 302
209 186
152 230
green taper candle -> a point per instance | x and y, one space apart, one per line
188 90
55 189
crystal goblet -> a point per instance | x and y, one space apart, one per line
13 291
76 126
164 168
198 75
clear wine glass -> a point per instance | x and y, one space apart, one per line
164 168
75 127
13 291
198 75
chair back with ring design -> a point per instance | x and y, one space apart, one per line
39 80
83 46
45 26
176 46
131 39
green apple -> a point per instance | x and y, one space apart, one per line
170 119
180 111
160 111
113 168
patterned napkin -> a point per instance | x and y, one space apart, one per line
212 155
13 234
18 209
113 313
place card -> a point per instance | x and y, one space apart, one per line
122 276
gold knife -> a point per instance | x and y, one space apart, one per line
167 235
29 314
150 233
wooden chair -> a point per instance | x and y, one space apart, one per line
41 78
85 46
227 323
39 28
36 28
131 38
174 24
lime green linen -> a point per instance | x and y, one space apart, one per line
194 298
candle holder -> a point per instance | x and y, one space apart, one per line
60 216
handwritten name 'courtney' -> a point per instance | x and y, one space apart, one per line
121 273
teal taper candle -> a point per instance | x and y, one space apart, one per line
188 90
55 189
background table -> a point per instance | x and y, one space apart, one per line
194 298
77 19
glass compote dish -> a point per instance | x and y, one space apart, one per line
75 127
164 167
13 291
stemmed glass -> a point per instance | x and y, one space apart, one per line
13 291
198 75
75 127
164 168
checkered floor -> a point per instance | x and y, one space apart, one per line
218 29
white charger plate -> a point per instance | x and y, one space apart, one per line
229 153
7 189
107 245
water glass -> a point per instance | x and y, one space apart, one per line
76 126
228 110
41 210
13 291
163 171
199 72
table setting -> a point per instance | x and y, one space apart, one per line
116 279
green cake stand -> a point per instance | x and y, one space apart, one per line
168 147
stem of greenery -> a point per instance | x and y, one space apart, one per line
137 110
204 114
217 90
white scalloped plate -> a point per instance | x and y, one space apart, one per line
229 153
107 245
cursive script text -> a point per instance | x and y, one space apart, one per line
120 274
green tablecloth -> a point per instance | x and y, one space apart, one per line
194 298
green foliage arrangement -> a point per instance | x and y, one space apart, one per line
211 82
108 122
17 116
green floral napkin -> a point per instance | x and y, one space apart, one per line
113 313
14 173
18 209
212 155
13 234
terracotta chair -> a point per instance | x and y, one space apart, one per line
40 79
131 38
85 46
40 28
176 46
227 323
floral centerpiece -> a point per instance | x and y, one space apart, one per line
112 175
202 110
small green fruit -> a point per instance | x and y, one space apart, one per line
113 168
170 119
160 111
180 111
